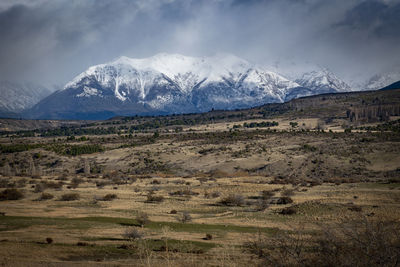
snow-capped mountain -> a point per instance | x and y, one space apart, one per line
379 81
320 82
323 80
16 97
171 83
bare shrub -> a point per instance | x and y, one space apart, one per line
63 177
264 200
101 184
287 192
267 194
281 200
142 219
137 190
279 180
262 204
178 181
233 200
183 192
119 180
53 185
218 174
11 194
288 211
75 182
109 197
315 183
154 198
184 218
362 242
355 208
208 237
39 188
214 194
133 234
70 197
282 249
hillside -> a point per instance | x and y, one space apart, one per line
352 107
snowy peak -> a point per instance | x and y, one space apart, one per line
381 80
185 73
323 80
173 83
173 65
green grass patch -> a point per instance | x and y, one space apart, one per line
96 252
209 228
80 204
8 223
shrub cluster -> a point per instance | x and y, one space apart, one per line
45 196
109 197
11 194
70 197
232 200
133 234
151 197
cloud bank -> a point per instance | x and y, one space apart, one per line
51 41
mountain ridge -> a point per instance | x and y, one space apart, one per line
173 83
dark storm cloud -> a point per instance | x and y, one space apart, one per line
376 18
51 41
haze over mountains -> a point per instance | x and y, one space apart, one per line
16 97
171 84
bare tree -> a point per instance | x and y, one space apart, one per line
32 168
7 170
86 167
321 125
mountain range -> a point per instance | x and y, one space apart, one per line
172 83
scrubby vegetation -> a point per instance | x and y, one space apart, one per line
362 242
313 182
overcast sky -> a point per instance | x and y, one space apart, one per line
51 41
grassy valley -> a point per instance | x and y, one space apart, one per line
314 181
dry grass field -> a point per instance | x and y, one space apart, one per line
305 191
